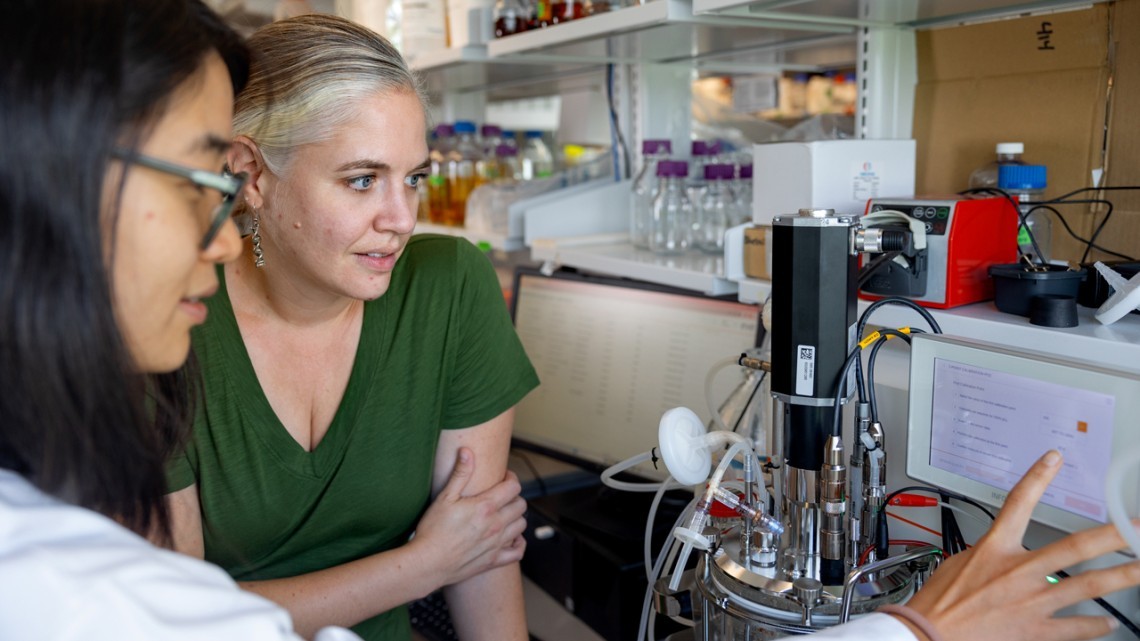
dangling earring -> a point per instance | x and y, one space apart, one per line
258 256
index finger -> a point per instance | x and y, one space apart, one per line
1013 519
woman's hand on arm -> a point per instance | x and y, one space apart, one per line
460 535
999 591
488 605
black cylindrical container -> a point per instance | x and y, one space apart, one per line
814 275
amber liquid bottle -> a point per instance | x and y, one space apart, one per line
438 199
463 177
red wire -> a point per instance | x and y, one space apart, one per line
912 542
917 525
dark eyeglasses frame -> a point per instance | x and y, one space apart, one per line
230 185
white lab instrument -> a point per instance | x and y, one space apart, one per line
980 414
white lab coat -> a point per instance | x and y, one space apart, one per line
872 627
70 573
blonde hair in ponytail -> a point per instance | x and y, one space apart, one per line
308 76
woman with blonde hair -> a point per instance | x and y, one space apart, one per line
359 383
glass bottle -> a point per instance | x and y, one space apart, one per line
1008 153
536 159
439 202
742 189
542 15
510 138
566 10
595 7
716 211
701 153
508 158
511 17
462 177
672 213
490 137
644 190
1027 183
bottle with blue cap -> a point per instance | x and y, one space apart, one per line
1027 183
1007 153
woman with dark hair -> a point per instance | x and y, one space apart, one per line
114 119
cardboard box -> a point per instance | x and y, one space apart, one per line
829 174
757 257
1063 83
1122 163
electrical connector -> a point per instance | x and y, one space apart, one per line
913 500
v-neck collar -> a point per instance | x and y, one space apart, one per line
257 414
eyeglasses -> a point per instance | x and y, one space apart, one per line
229 184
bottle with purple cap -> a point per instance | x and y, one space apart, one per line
742 189
644 191
672 213
508 157
717 210
702 154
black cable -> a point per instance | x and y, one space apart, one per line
1084 189
1096 232
751 397
892 300
1086 241
1022 217
895 300
841 390
1064 199
1124 621
533 470
950 524
875 265
871 366
1090 201
949 542
614 118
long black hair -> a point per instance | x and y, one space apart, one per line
77 79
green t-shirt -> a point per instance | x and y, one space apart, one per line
437 351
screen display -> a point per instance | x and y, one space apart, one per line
612 358
990 426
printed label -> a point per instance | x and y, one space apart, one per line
805 370
865 180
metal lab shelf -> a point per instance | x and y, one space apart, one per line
917 14
666 32
1116 345
504 243
613 254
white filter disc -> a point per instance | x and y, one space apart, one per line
680 433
